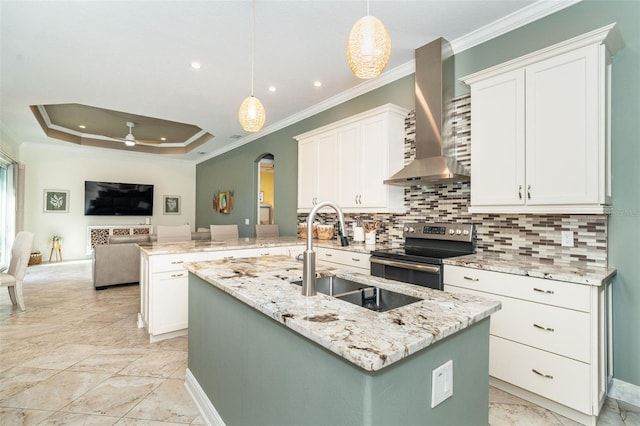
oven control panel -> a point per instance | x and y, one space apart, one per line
439 231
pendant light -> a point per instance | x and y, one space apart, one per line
251 113
368 47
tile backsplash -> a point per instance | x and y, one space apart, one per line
537 236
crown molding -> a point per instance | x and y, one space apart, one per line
517 19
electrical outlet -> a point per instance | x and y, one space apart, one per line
567 238
441 383
246 221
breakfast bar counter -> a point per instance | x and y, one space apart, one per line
164 284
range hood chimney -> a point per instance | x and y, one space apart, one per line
434 91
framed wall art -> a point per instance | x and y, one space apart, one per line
56 201
223 201
171 204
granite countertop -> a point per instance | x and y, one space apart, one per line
525 265
193 246
368 339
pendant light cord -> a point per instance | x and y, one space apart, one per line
368 14
253 42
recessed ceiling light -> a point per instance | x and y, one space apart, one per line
195 65
82 126
235 136
201 152
317 83
272 89
163 139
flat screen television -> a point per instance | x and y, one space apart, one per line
117 199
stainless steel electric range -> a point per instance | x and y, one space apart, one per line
425 246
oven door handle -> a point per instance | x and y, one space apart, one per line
406 265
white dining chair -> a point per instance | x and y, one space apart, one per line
13 278
224 232
267 231
168 233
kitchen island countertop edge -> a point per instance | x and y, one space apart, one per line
368 339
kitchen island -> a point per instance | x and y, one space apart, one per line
261 353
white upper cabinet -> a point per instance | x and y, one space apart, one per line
316 170
363 151
539 129
497 145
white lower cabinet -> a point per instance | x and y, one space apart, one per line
558 378
357 262
164 288
547 343
170 291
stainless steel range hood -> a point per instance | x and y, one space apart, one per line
434 91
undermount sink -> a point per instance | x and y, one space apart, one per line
378 299
373 298
333 286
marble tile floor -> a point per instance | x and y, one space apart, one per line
75 357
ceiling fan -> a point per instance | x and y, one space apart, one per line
130 140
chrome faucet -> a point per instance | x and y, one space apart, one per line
309 269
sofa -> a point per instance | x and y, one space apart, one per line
118 261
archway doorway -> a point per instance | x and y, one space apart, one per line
266 189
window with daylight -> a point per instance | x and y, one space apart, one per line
7 208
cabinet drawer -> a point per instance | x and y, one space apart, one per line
344 257
560 379
550 292
174 262
558 330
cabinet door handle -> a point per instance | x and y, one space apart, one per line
529 192
546 376
328 254
471 279
543 291
177 262
543 328
265 254
227 257
360 199
177 275
355 259
520 192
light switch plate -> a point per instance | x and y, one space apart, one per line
441 383
246 221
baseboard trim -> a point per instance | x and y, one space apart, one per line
543 402
623 391
206 409
153 338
